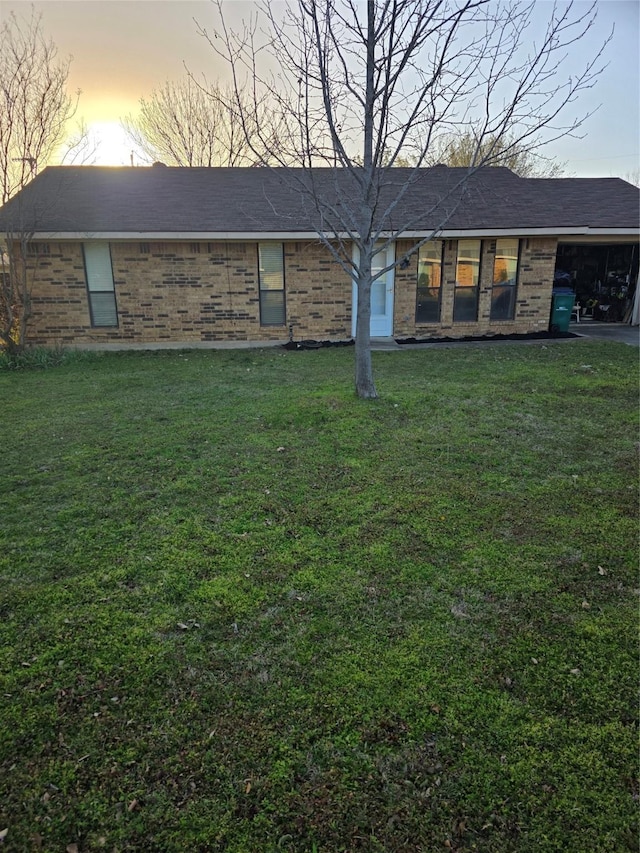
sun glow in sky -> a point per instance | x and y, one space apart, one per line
109 145
123 49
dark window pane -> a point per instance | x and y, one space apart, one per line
272 311
503 302
465 305
103 309
428 305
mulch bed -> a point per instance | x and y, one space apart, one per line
529 336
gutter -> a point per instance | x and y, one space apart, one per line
224 236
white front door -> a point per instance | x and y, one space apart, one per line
381 295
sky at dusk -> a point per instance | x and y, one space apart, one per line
122 49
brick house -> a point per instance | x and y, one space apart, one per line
189 256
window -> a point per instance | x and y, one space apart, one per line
99 275
429 282
505 279
271 276
465 300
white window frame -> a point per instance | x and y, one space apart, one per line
265 287
98 270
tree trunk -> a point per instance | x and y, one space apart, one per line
16 299
365 386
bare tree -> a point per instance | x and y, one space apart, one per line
193 123
35 111
466 150
79 147
35 108
15 290
358 83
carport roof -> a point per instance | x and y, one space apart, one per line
95 201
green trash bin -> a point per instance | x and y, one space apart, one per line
561 307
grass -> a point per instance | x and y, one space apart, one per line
39 357
243 611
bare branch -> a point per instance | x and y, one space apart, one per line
34 105
364 87
35 110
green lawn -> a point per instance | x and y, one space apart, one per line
243 611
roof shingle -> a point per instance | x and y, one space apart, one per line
247 200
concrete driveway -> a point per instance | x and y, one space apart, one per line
621 332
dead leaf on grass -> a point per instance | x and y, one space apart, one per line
72 848
133 806
460 610
460 827
3 834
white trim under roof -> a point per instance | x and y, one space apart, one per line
445 234
585 231
184 236
618 237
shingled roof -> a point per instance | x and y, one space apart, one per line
236 201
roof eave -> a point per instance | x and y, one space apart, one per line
445 233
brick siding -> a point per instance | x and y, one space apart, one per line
177 292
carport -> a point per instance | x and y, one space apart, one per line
603 275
